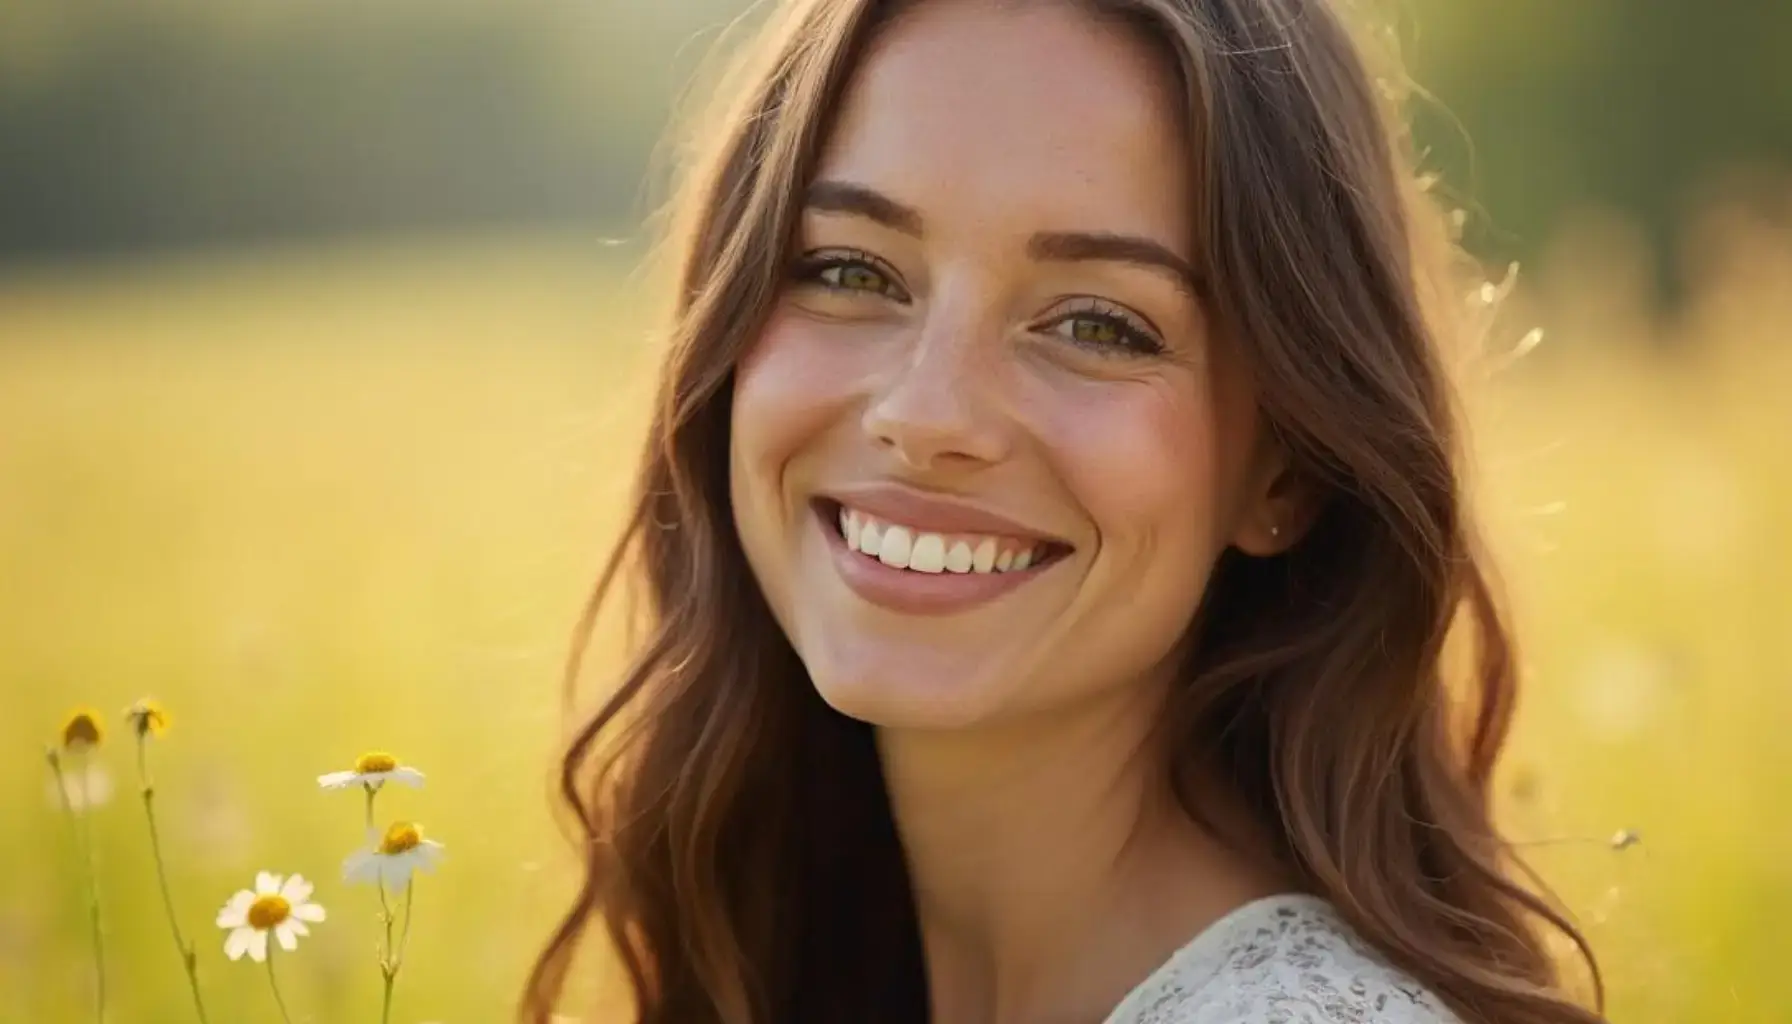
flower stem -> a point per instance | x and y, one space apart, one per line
189 960
394 961
93 899
388 962
83 837
404 932
274 984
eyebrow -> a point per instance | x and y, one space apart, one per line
846 197
1052 246
1096 246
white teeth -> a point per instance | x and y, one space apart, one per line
959 559
903 547
893 550
985 558
929 554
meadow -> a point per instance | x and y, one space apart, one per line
332 500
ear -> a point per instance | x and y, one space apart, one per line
1279 506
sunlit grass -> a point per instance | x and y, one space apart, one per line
330 502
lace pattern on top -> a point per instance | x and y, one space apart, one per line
1282 960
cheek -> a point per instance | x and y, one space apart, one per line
795 385
1141 460
792 393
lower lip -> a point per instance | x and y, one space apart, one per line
919 593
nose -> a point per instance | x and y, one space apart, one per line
939 407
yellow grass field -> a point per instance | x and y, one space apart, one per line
334 500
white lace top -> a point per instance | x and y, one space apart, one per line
1288 959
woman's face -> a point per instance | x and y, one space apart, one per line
987 449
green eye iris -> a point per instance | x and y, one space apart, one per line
856 277
1094 332
1100 329
848 273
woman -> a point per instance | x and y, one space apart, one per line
1047 538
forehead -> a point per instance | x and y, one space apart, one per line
986 112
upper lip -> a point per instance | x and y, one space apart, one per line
933 513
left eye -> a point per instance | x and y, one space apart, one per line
1106 332
1087 330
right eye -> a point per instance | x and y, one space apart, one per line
849 272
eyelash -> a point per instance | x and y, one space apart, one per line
1136 336
810 268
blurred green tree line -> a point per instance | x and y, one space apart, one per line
128 127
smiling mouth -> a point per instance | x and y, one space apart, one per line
910 548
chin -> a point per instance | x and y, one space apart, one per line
919 688
888 706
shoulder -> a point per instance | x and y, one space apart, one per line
1282 960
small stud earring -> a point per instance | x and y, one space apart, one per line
1275 531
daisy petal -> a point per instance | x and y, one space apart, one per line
297 926
338 780
238 943
98 788
361 866
258 946
296 890
313 912
409 776
267 883
289 940
236 912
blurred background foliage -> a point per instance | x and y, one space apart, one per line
321 343
128 126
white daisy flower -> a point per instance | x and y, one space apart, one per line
147 718
373 770
391 860
275 906
78 780
82 732
79 787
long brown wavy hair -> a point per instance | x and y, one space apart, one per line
737 840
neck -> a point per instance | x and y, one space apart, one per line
1052 869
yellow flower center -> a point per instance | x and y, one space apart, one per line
268 911
148 718
377 761
82 730
400 837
